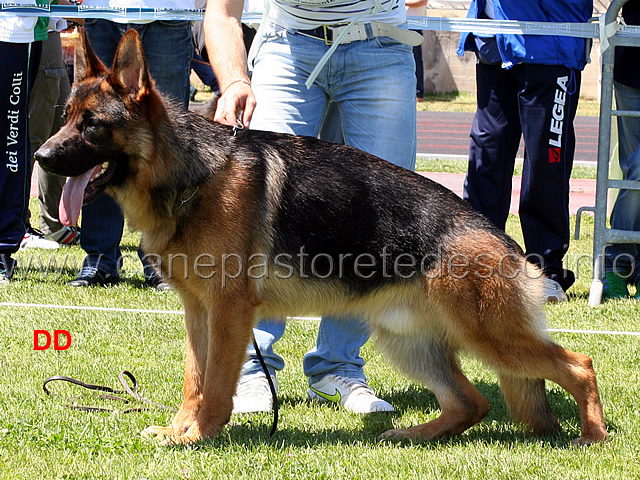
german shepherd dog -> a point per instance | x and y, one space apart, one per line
302 226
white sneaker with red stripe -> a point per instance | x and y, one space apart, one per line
35 239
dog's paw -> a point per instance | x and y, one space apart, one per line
398 435
156 431
585 442
180 440
193 435
167 436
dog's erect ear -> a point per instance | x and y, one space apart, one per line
130 66
87 62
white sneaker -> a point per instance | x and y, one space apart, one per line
553 292
35 239
253 394
353 393
4 276
6 270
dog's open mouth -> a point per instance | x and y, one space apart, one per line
83 189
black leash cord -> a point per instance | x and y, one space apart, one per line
272 387
131 390
88 385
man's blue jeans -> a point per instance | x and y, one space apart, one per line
373 84
625 258
168 49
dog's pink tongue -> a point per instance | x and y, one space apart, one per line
72 197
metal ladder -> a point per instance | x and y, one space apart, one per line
602 235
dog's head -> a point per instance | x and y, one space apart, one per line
105 129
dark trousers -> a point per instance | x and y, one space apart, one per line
538 102
168 48
417 56
18 67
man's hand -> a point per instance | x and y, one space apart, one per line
228 57
236 104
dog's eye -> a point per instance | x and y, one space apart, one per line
90 119
93 129
92 122
92 125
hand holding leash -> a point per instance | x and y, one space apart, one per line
236 103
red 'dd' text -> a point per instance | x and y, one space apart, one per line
37 334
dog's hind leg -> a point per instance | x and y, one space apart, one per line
522 359
527 402
430 361
573 372
500 319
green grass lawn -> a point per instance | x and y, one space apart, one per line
466 102
460 166
40 438
448 102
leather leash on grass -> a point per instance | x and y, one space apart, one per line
111 394
132 391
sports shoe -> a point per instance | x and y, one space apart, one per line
35 239
158 282
637 294
7 266
253 394
152 276
553 292
90 276
5 275
66 236
614 286
353 393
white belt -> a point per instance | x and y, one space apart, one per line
358 31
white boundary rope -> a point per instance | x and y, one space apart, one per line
180 312
99 309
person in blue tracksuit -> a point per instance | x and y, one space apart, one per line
527 85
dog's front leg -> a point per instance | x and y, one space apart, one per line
229 332
197 327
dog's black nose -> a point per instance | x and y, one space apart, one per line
44 156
